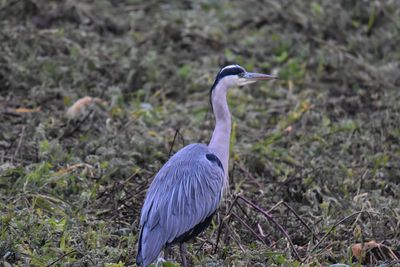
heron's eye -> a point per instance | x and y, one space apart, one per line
241 75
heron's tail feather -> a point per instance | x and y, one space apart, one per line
139 258
151 242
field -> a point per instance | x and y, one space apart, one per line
315 156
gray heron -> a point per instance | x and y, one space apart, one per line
186 191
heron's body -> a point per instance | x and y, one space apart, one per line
187 190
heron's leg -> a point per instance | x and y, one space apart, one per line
183 251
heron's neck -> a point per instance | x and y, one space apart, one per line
220 139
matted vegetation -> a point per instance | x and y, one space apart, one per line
323 140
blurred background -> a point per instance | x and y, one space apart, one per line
324 139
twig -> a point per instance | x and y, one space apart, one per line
203 242
295 214
201 246
247 173
244 212
221 225
334 226
173 142
79 123
249 228
269 217
361 181
19 142
63 256
234 237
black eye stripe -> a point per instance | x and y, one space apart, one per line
230 71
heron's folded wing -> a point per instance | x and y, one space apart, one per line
188 190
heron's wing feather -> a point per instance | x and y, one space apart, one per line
196 196
183 194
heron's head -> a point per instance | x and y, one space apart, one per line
232 75
235 75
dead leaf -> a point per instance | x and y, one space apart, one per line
27 110
71 168
372 252
288 129
81 106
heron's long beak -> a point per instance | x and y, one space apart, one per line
251 76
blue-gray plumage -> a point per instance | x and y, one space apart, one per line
187 190
168 212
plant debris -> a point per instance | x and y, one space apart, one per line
81 107
315 155
371 253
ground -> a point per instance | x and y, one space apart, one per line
323 140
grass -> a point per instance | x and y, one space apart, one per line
323 139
